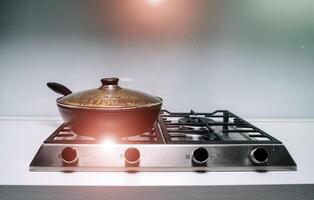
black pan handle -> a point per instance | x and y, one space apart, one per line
58 88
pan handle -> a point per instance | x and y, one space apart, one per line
58 88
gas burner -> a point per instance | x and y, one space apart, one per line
193 128
200 137
196 124
218 141
196 120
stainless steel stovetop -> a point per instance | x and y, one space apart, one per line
217 141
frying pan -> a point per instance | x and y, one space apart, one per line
107 111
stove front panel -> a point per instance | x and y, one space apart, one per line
161 157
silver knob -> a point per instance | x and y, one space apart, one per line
69 155
132 156
200 155
259 155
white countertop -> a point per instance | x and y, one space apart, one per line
21 138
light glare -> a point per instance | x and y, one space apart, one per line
108 143
154 2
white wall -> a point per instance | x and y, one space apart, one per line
267 78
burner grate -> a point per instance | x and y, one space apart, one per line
65 135
219 127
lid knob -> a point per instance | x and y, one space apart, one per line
110 81
110 84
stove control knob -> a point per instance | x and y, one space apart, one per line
69 156
200 156
132 157
259 155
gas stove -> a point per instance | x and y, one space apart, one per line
217 141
